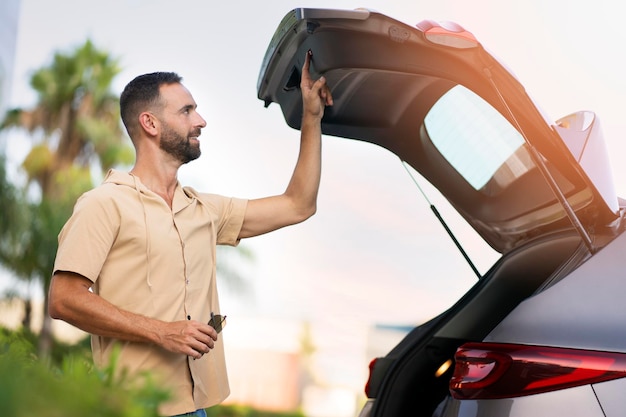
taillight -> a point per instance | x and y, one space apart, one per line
494 370
378 370
368 384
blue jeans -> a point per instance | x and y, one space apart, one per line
197 413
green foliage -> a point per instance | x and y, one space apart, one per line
38 160
11 118
70 77
9 201
75 180
68 385
14 221
110 152
75 127
30 387
28 244
244 411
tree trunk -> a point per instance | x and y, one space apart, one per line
45 337
28 314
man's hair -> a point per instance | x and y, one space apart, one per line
142 93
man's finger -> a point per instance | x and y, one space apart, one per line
321 88
306 76
328 96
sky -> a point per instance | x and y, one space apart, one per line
373 253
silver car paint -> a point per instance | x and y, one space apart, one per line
575 402
611 396
583 310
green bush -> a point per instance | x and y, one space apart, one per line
67 385
31 387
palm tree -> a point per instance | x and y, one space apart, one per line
74 127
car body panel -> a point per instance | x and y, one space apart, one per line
386 76
590 299
409 382
611 395
575 402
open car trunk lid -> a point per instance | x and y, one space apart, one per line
432 95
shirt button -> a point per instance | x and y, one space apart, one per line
187 282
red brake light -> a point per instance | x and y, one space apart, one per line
493 370
368 384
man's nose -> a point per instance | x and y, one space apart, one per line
201 122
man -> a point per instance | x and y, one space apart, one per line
136 261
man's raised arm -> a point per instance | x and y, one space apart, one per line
299 201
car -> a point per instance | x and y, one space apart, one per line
541 331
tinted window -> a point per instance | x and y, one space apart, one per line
477 140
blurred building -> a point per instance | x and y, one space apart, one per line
9 15
288 364
265 379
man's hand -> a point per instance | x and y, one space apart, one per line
315 94
191 338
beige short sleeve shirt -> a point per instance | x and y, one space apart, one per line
159 262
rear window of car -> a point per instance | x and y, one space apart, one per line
477 140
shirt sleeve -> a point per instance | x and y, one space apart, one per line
87 237
227 212
231 221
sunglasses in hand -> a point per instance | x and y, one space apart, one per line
217 321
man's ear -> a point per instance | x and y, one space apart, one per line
149 123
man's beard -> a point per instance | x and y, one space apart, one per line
179 146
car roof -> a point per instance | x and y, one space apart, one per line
398 86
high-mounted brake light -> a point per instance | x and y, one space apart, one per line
447 34
493 370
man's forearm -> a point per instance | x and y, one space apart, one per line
304 184
72 302
299 201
